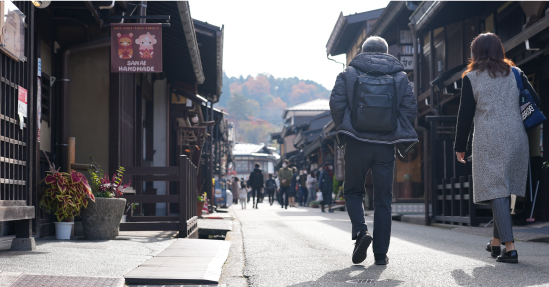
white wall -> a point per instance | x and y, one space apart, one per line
160 137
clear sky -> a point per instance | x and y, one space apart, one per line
282 38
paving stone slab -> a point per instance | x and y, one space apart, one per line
186 261
29 280
7 278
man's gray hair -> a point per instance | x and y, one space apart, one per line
375 44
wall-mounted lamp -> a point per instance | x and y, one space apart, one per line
41 4
195 119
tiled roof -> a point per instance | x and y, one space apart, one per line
246 148
314 105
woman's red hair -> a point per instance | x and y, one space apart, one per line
487 54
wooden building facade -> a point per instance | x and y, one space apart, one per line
121 119
432 39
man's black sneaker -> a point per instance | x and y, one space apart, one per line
331 211
361 246
384 260
508 257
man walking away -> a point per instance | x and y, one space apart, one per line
285 174
370 121
270 186
256 182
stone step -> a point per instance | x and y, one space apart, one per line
186 261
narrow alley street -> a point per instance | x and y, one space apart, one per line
304 247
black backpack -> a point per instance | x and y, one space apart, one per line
374 103
270 183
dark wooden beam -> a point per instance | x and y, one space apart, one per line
93 11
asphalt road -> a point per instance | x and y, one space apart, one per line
304 247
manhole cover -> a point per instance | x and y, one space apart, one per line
361 281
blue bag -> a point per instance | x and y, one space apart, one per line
531 115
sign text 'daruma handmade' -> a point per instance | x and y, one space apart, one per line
136 48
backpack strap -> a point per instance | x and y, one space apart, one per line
518 78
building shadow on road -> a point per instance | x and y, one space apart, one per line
492 275
362 274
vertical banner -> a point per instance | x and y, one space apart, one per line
38 108
136 48
340 163
22 105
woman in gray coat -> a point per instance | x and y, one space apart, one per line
490 100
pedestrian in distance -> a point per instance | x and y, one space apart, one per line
293 187
500 148
278 198
243 194
312 188
256 184
270 187
285 174
304 190
373 107
326 185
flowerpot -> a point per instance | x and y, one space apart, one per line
338 201
123 219
314 205
63 230
199 207
101 220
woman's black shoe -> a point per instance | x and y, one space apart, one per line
508 257
494 250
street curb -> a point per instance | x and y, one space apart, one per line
232 273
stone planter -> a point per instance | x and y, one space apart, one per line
314 205
101 219
339 201
199 206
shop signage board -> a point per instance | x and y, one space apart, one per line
221 191
22 105
38 108
340 163
12 27
136 48
408 62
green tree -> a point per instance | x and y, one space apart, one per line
239 107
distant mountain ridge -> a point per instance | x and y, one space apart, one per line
256 104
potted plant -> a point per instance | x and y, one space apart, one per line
314 204
101 220
66 195
200 204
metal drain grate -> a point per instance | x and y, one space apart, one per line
361 281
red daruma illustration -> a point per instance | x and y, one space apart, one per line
146 42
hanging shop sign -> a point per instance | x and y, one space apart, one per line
22 105
340 163
407 62
38 107
136 48
12 27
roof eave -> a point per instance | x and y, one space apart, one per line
341 20
190 37
388 15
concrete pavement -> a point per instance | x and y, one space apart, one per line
304 247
